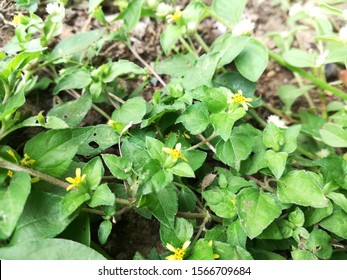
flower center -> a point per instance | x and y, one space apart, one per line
176 16
239 98
179 254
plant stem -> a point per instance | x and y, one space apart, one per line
255 115
206 140
308 76
155 74
187 47
201 42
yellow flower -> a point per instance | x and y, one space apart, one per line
215 256
17 19
175 153
10 173
239 98
75 181
233 201
175 17
178 252
27 161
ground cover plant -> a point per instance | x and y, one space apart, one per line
178 140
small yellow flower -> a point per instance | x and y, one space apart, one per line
17 19
177 15
75 181
10 173
186 135
27 161
239 98
175 153
178 252
233 201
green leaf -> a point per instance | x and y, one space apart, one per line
202 72
195 118
155 149
11 105
72 112
182 169
153 178
339 199
176 65
201 251
289 93
278 230
133 110
120 167
230 46
237 148
319 244
333 169
122 67
95 171
229 11
273 137
311 123
256 210
102 196
302 188
132 14
49 249
102 137
252 61
78 230
73 79
12 201
315 215
93 5
54 149
186 200
336 223
221 202
182 232
297 217
228 252
214 98
334 135
41 218
223 122
104 231
235 81
303 255
76 45
196 158
163 205
72 201
276 162
290 139
299 58
170 36
236 234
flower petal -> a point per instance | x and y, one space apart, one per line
186 245
70 180
171 258
170 247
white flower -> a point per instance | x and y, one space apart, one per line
220 28
344 13
311 10
343 33
152 3
295 9
244 27
163 10
276 121
192 26
56 10
321 59
323 153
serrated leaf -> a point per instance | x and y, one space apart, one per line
221 202
319 244
182 232
302 188
12 200
122 67
133 110
182 169
72 201
252 61
201 251
54 149
336 223
273 137
315 215
120 167
195 118
276 162
102 196
170 36
49 249
163 205
256 210
334 135
290 139
155 149
236 234
95 171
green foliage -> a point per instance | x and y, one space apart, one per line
87 136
